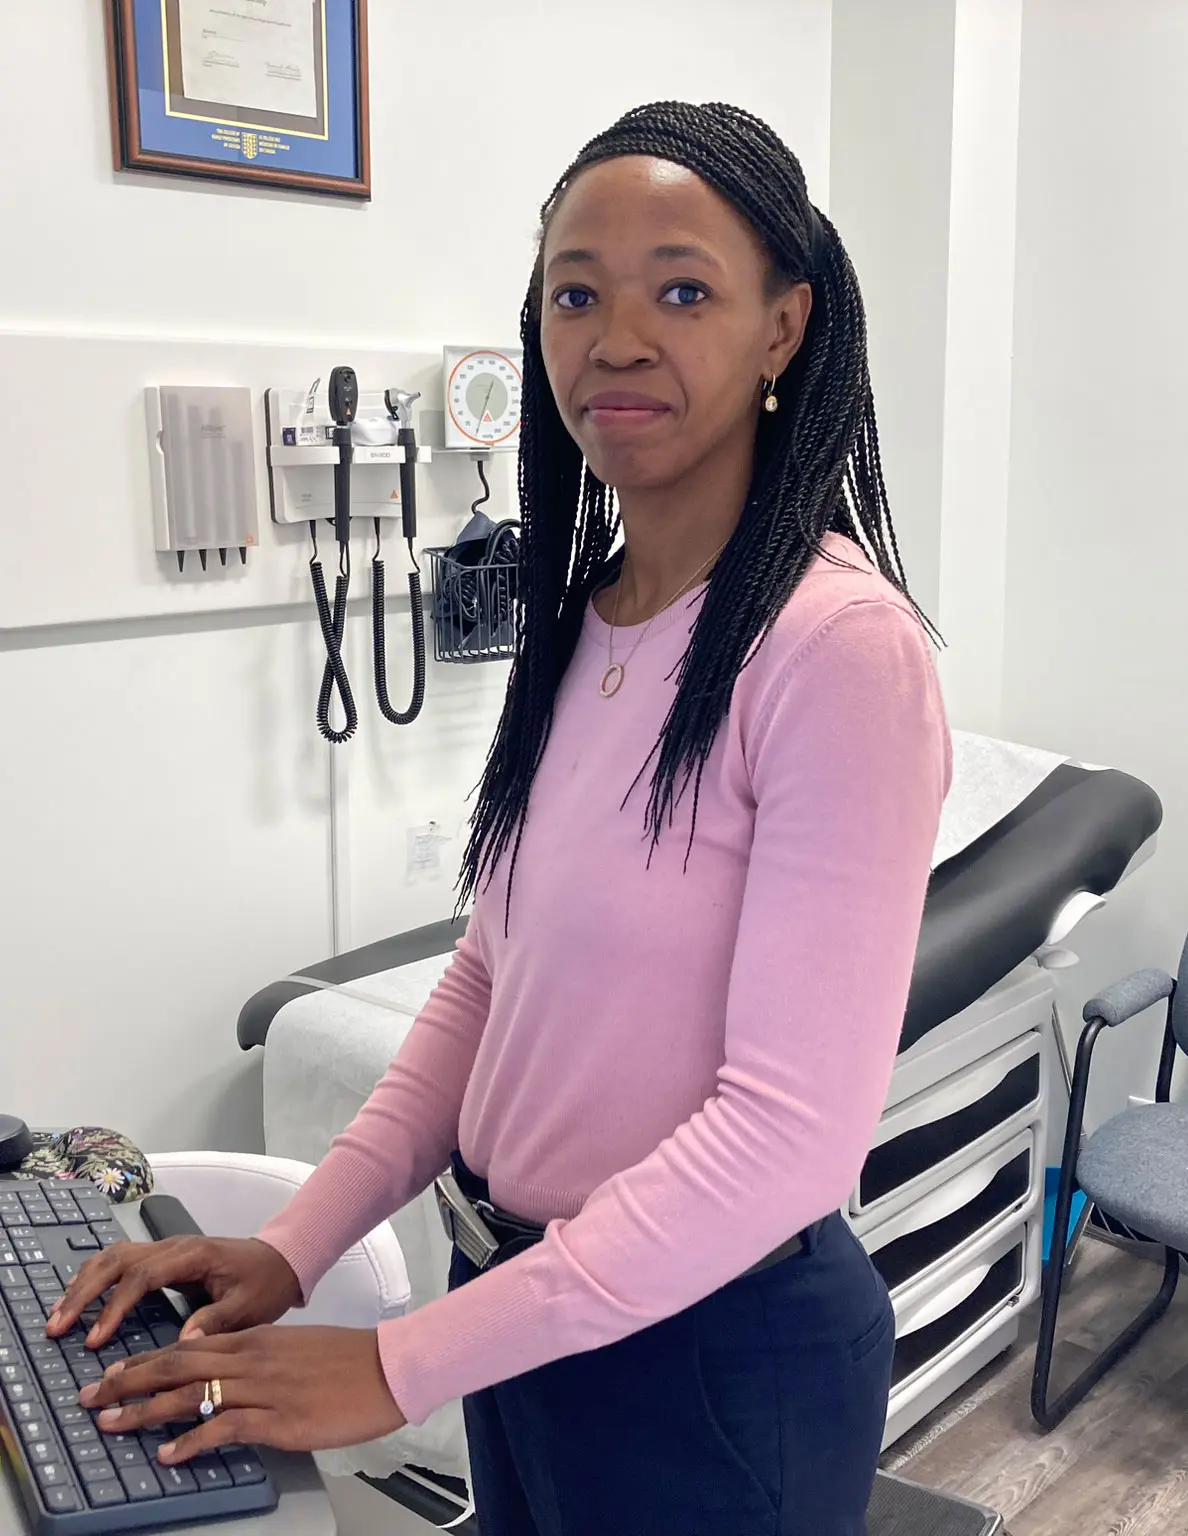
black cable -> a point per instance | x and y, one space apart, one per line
486 496
333 623
380 644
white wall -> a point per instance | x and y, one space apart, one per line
1096 620
1006 174
976 450
890 184
165 802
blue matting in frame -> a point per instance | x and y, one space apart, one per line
244 144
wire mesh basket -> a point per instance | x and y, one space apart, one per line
474 598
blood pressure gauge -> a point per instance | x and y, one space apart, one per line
483 395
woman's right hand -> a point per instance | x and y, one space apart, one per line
249 1283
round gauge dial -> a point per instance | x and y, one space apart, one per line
483 398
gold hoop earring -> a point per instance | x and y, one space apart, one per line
771 402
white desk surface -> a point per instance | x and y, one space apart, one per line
304 1508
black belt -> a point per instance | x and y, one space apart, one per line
488 1236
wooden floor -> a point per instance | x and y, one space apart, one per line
1118 1465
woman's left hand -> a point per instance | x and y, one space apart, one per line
297 1388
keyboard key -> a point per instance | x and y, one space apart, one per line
28 1308
101 1494
176 1480
35 1429
97 1472
50 1474
81 1434
19 1392
66 1270
140 1483
52 1373
10 1374
210 1472
93 1450
85 1371
40 1452
30 1253
25 1412
61 1500
128 1456
32 1329
108 1233
68 1416
8 1275
18 1233
10 1354
77 1351
68 1213
155 1309
82 1240
245 1468
63 1397
165 1334
137 1342
45 1218
112 1352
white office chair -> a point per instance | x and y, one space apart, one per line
232 1194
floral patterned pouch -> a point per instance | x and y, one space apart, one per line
111 1162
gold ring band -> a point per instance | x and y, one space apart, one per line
212 1399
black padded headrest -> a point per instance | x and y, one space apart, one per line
994 903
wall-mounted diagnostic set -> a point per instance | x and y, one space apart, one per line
337 452
370 443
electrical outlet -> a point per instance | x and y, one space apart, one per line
1139 1103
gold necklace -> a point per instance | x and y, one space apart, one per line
616 671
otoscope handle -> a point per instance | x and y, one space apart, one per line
406 437
342 488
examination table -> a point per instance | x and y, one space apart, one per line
950 1202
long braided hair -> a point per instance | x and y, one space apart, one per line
817 470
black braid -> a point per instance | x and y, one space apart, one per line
817 470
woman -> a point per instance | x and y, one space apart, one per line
699 861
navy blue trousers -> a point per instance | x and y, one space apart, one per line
757 1412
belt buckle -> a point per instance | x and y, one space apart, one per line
464 1226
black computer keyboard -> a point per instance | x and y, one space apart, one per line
74 1479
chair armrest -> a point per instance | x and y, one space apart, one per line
1133 994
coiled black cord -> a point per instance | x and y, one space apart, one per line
380 643
486 496
333 624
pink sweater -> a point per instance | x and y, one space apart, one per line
676 1069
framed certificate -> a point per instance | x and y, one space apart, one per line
266 91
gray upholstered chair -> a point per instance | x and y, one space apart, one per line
1135 1168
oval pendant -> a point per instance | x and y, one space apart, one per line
612 680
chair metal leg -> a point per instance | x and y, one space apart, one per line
1047 1415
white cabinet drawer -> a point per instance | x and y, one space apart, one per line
923 1141
933 1320
1003 1186
1019 1003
